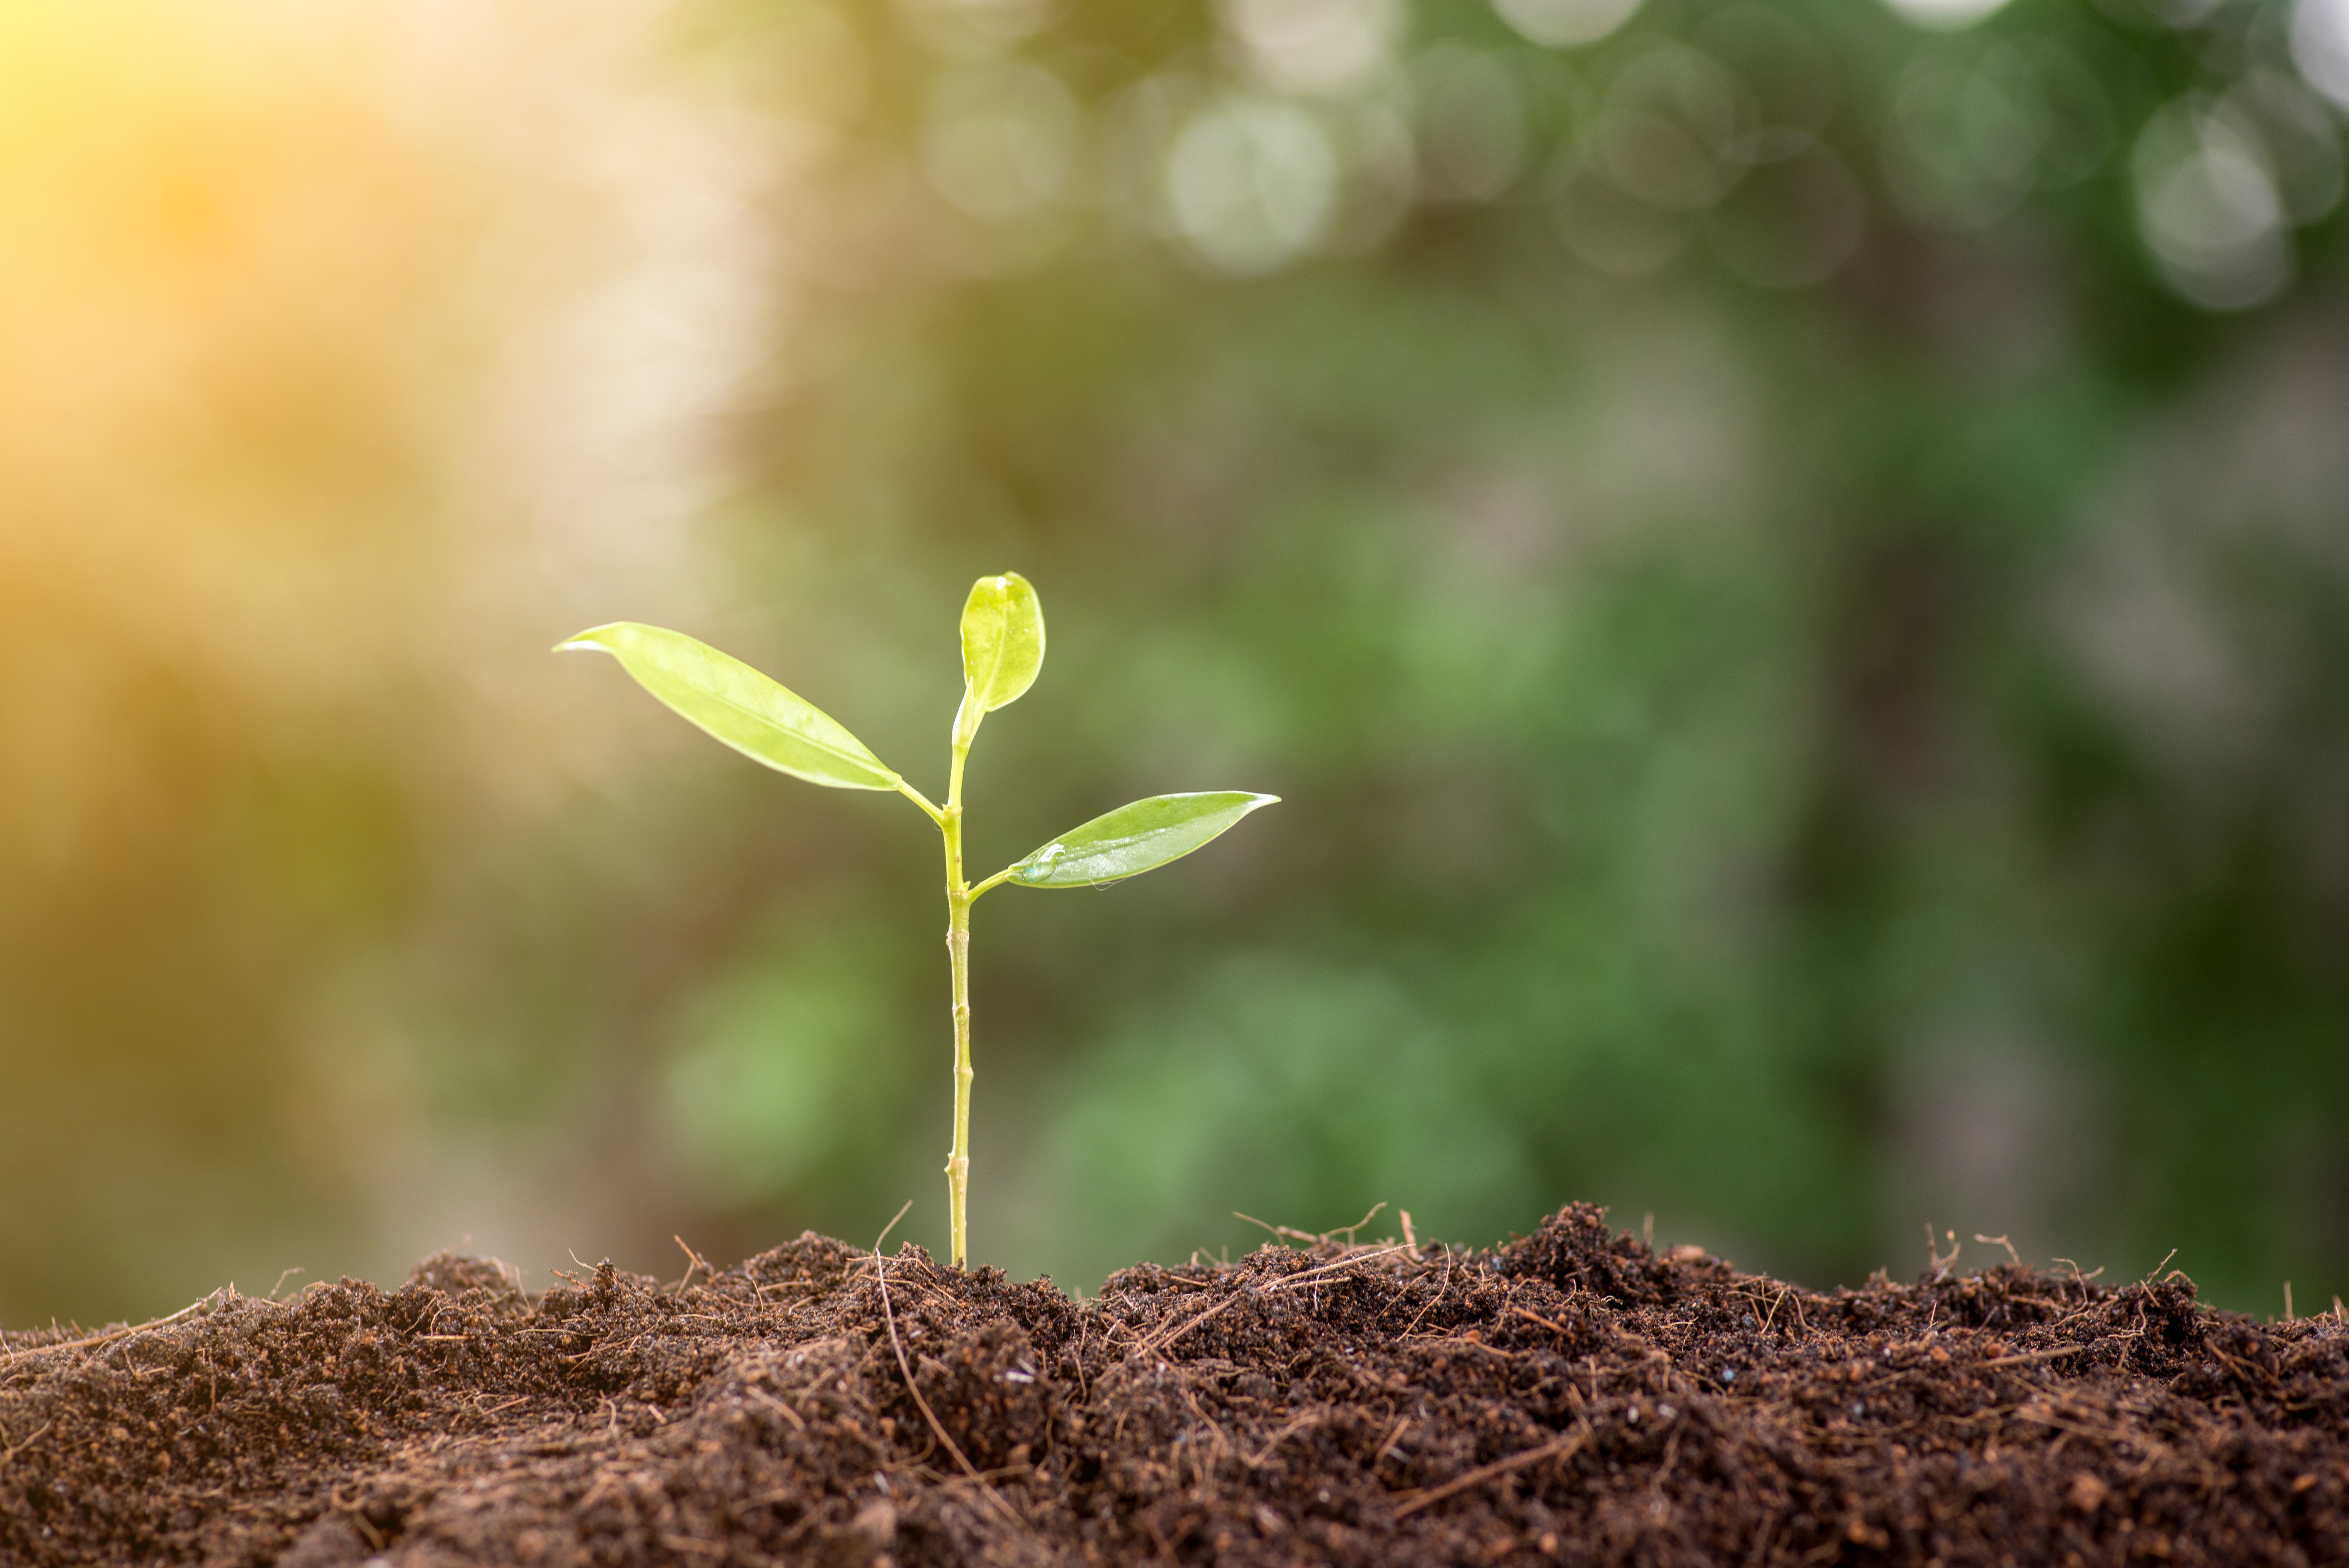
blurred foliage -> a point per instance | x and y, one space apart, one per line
1788 563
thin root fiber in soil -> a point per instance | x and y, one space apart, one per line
1572 1397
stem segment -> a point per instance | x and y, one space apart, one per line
958 898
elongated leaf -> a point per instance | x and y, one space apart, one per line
1136 839
1002 640
738 706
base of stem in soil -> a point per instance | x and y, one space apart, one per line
1571 1396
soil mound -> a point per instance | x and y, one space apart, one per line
1571 1396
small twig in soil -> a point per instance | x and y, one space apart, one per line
2159 1267
1289 1232
2031 1357
8 1454
111 1335
1222 1440
1160 1342
1941 1265
1469 1341
2001 1241
778 1406
1410 1242
693 1261
1557 1447
289 1274
1312 1418
1581 1411
1441 1285
889 1315
1348 1261
1557 1328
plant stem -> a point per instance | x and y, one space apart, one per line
958 898
919 799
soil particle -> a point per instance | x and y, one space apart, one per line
1573 1397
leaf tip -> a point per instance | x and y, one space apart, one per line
590 641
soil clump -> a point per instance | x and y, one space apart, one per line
1572 1397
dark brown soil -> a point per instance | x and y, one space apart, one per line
1571 1396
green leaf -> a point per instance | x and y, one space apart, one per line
738 706
1002 640
1136 839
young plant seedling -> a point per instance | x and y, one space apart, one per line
1002 649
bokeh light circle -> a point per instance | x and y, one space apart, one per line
1000 139
1791 223
1783 66
2298 134
1943 16
1565 23
1251 181
1315 46
1674 129
1962 144
1608 230
2207 208
2320 47
1471 122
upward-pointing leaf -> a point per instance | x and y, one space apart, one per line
1002 640
1136 839
738 706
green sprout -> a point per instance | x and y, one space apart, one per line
1002 649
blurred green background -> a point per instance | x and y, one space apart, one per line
1789 560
